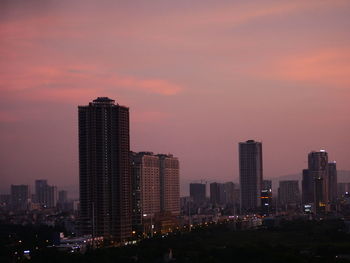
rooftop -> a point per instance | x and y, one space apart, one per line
103 100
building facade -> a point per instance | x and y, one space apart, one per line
288 193
45 195
198 193
104 170
169 171
266 197
20 197
217 194
145 187
308 188
333 182
250 174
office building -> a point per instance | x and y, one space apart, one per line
20 197
198 193
104 170
250 174
169 171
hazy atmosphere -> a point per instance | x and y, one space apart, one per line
198 77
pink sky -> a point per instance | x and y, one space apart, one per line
198 76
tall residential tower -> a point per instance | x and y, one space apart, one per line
105 180
250 174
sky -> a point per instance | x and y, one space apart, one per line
199 76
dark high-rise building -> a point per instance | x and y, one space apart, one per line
198 193
62 196
266 197
288 192
333 182
229 195
45 195
319 185
318 170
40 191
169 171
308 188
217 194
104 169
250 174
20 197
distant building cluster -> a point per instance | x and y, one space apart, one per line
320 192
44 197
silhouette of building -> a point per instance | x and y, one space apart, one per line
266 197
45 195
250 174
308 188
229 193
333 182
288 193
316 185
104 169
20 197
198 193
318 169
217 194
62 196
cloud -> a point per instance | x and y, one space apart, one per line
76 83
323 67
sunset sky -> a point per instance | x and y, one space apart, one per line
199 77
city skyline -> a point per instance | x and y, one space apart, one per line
198 79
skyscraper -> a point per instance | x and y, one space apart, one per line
104 169
250 174
198 193
308 188
318 185
169 171
318 170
